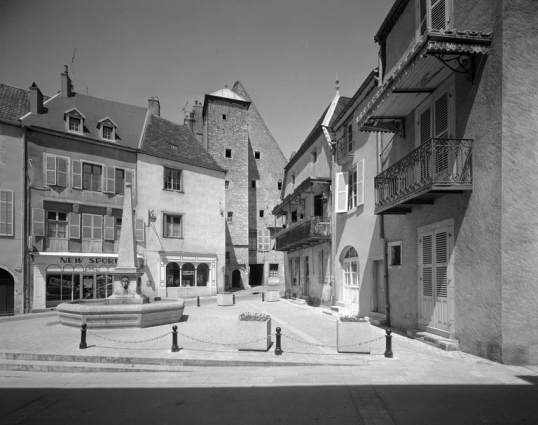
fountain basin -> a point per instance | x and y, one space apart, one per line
99 314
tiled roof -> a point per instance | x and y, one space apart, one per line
166 139
14 103
129 119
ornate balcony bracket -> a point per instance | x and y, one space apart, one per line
461 63
385 124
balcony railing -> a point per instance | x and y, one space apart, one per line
440 165
309 231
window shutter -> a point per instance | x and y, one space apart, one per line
341 192
425 124
441 264
441 116
139 230
109 180
6 212
50 170
97 227
77 175
74 226
38 222
360 183
110 223
86 226
62 172
438 14
130 178
260 240
427 266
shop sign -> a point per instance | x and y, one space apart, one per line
89 260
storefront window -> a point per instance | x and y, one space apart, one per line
103 286
202 274
172 274
61 287
187 275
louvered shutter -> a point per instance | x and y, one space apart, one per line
423 16
441 131
110 223
38 222
341 192
425 132
438 14
109 180
86 226
97 227
139 230
360 183
74 226
427 265
6 212
61 172
50 170
77 174
441 264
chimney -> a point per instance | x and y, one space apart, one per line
36 100
198 124
67 85
154 106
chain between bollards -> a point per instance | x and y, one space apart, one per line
263 296
197 301
175 347
388 344
278 348
83 344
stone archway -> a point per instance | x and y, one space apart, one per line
7 292
237 281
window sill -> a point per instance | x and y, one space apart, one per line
173 237
173 190
395 267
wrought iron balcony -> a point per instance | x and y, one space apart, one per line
436 167
310 231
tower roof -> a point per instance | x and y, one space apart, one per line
228 94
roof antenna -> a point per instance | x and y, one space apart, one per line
73 68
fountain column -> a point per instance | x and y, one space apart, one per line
127 274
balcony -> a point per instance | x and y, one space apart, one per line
307 232
437 167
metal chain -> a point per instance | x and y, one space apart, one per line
129 342
222 343
332 346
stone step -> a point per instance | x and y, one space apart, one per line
443 343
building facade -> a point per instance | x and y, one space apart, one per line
235 134
305 208
457 85
14 103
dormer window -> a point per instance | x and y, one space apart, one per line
74 121
107 129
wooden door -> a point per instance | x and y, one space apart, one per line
378 291
7 287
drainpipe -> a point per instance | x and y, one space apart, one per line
379 141
333 222
27 269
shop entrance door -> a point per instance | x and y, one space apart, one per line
7 286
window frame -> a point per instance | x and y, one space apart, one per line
257 155
165 227
7 224
174 182
100 179
390 258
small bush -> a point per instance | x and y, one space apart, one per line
348 318
253 317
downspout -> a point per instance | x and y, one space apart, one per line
379 141
333 221
27 274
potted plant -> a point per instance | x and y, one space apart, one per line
225 298
353 334
254 331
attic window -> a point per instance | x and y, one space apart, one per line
107 129
74 121
107 132
74 124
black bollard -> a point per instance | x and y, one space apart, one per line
197 301
175 348
83 344
388 345
233 296
278 348
263 296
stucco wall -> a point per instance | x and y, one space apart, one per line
11 178
401 38
201 202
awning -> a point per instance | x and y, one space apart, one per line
436 55
311 184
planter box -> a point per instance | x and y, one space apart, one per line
353 337
256 334
225 299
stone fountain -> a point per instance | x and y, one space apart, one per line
127 306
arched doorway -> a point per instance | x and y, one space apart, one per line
7 291
187 274
237 282
172 275
202 274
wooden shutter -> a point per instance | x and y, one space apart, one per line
341 191
441 264
425 125
77 174
423 16
6 212
50 170
360 182
109 179
97 227
441 130
86 226
438 14
74 226
61 171
38 222
110 223
139 230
